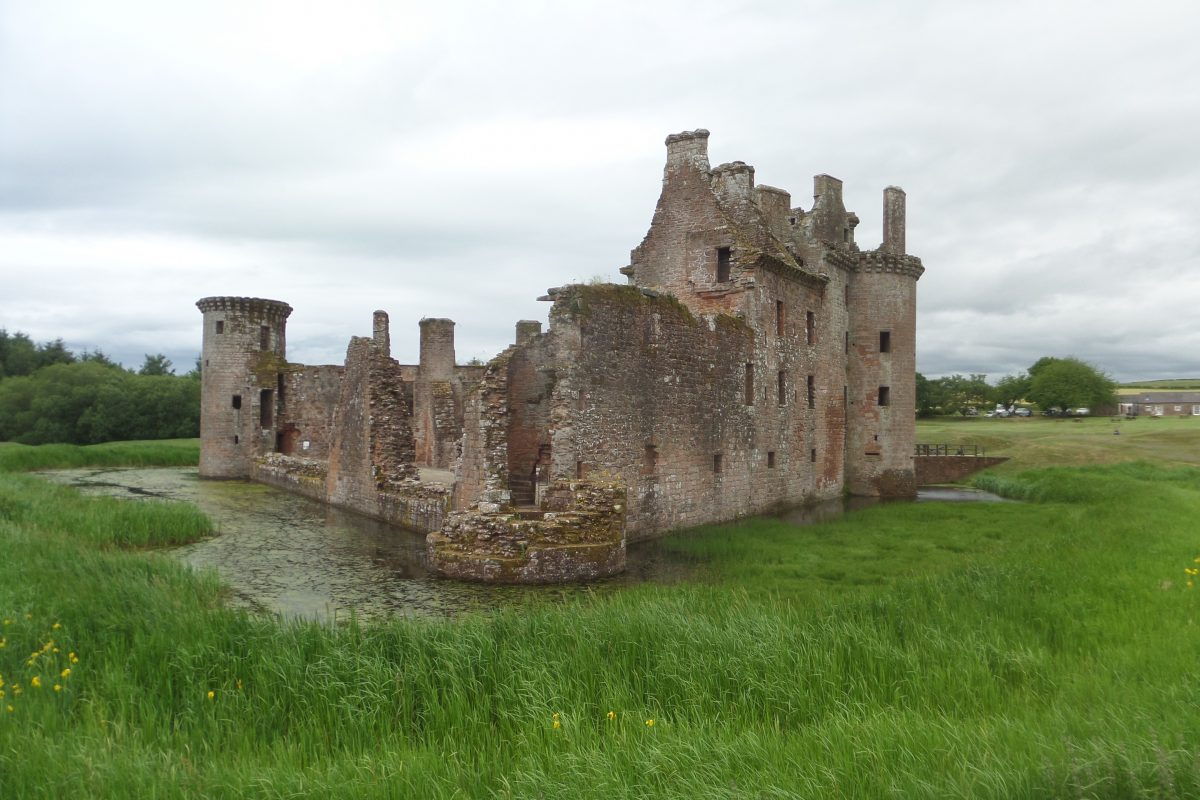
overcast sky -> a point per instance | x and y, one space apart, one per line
457 159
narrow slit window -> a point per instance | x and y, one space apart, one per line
812 392
780 319
580 469
235 439
846 342
770 459
749 398
717 463
782 388
810 327
723 260
237 401
266 408
812 455
220 326
885 341
885 395
264 338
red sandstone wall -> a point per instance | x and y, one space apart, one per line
310 395
932 470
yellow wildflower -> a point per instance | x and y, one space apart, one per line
11 709
66 673
9 621
557 724
56 626
3 643
1 694
211 694
1189 584
58 687
17 690
36 682
73 658
612 715
649 723
239 683
29 616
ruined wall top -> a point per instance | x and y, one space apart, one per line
245 305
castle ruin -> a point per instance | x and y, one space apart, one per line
756 359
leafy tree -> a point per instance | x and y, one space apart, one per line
930 396
157 364
54 352
1010 389
194 372
961 393
18 355
97 356
1063 383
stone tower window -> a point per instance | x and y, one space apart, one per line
885 395
810 327
722 264
749 398
266 408
812 455
846 343
237 401
812 392
782 388
780 318
264 338
770 459
650 460
220 326
717 463
885 341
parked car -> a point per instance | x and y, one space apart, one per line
1083 412
1022 412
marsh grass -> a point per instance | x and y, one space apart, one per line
1039 649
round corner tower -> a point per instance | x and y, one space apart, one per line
243 351
881 420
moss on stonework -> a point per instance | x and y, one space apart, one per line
269 365
580 298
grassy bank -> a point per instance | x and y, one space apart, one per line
155 453
1025 650
1048 441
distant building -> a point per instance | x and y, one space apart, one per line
1159 404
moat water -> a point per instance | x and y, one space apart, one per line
283 553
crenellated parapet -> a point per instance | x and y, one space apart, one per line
882 261
245 305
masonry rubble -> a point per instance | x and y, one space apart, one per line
756 359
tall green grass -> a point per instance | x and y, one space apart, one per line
1042 649
161 453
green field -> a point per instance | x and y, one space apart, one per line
1170 384
1049 441
1038 649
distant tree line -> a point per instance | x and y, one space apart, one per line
49 394
1052 384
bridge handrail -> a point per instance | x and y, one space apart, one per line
949 450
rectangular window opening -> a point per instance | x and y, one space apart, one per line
810 327
779 318
235 438
723 254
812 455
650 460
846 342
885 395
264 338
782 388
220 326
266 408
770 459
885 341
812 392
717 462
580 469
749 398
237 401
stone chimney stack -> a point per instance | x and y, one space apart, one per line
893 220
381 333
437 349
687 149
527 330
